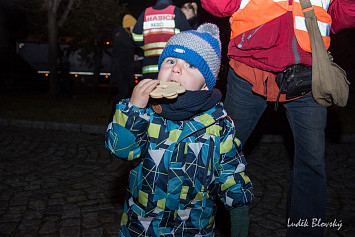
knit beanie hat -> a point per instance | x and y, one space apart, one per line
201 48
128 21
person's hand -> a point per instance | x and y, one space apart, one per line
140 94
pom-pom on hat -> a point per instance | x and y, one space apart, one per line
201 48
128 21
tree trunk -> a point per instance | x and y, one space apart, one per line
53 51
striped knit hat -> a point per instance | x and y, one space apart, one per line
201 48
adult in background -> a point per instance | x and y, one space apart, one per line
66 81
154 28
122 60
190 9
269 36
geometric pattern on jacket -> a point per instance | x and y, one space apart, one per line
185 166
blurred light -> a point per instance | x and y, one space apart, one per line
76 75
106 76
46 74
135 77
107 43
136 81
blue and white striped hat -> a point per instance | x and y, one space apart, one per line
201 48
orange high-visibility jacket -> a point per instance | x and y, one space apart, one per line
253 13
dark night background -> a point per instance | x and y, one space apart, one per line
13 27
13 24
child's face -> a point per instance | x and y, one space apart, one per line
182 72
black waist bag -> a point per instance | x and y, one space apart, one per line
294 81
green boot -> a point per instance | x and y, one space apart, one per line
239 221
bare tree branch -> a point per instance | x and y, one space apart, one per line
66 12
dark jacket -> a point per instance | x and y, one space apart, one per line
122 60
194 22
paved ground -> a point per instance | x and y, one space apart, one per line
60 183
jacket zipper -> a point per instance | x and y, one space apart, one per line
240 45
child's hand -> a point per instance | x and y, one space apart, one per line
141 91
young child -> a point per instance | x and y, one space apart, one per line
189 154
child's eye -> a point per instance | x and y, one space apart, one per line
170 61
189 65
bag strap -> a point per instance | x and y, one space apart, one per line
313 30
306 4
308 12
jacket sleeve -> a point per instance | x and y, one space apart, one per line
126 135
221 8
235 187
137 33
343 14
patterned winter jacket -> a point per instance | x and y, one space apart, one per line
184 166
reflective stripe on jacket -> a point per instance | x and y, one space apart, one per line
245 19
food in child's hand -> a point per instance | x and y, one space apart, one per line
167 89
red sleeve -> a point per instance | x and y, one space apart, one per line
343 14
221 8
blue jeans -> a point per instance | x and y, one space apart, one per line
307 119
